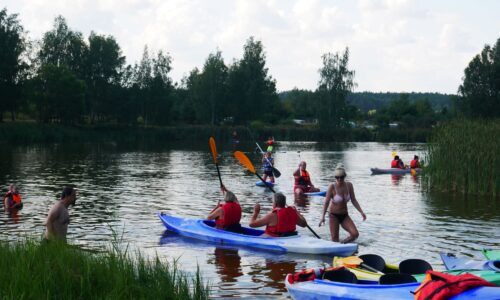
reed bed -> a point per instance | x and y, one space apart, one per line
464 156
31 270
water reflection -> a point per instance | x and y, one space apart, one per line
228 263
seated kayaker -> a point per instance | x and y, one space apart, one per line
397 163
414 164
12 198
281 221
302 182
227 216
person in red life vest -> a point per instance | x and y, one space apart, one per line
303 182
338 194
270 144
227 216
397 163
12 198
414 164
281 221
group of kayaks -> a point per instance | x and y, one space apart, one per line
350 279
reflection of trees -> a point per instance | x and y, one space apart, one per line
462 206
228 264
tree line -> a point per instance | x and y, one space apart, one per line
69 79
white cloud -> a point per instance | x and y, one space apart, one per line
396 45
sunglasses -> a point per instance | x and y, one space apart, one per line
339 177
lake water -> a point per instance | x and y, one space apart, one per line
121 188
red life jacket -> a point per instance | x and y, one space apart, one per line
287 222
17 198
438 285
414 164
305 177
395 163
232 215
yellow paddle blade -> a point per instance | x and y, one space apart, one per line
394 153
413 172
243 159
350 261
213 148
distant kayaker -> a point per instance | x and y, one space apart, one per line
270 144
12 199
303 182
268 163
58 216
414 164
338 194
397 163
281 221
227 216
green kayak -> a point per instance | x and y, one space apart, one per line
491 254
491 276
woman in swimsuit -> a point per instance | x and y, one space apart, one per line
340 192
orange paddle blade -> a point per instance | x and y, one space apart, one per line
243 159
413 172
213 148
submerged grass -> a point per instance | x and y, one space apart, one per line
31 270
464 156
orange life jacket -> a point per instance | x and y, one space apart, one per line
287 222
438 285
232 215
305 177
414 164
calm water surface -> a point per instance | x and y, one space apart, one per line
122 187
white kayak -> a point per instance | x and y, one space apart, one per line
205 230
396 171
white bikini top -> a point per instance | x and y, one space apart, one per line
338 198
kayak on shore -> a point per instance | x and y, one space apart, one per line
396 171
453 262
319 289
205 230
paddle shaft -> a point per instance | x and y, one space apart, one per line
218 173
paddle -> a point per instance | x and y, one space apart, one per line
276 172
213 149
243 159
355 261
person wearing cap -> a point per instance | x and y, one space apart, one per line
58 216
227 216
281 221
338 194
302 182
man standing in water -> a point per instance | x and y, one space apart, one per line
58 217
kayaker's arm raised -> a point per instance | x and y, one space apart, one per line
269 219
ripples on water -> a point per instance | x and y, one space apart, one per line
122 187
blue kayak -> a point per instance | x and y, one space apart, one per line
319 194
323 289
453 262
396 171
268 183
205 230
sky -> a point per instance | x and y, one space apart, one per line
394 45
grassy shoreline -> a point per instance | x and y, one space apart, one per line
29 132
33 270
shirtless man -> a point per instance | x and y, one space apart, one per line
58 217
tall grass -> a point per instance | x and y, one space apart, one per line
30 270
464 156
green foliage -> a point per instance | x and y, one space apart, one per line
463 157
31 270
12 67
336 82
480 90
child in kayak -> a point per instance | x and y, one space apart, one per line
227 216
281 221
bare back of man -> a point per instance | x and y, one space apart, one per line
57 222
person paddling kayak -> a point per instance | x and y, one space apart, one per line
339 193
227 216
268 163
397 163
281 221
414 164
303 182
